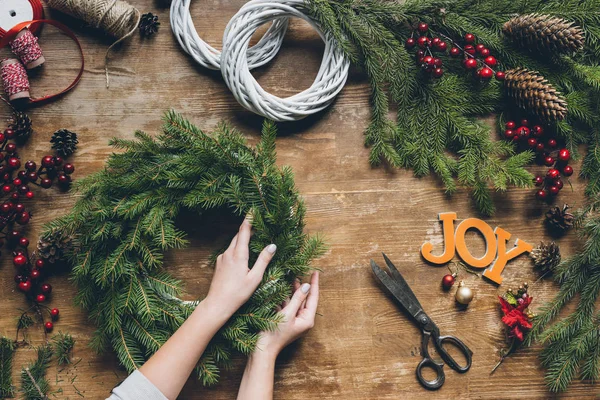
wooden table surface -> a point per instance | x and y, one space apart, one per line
363 346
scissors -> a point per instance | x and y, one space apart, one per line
396 284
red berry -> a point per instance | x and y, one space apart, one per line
511 125
491 61
32 176
552 143
46 183
19 260
54 313
448 281
554 190
549 161
470 63
58 161
29 195
47 161
410 43
17 182
437 62
23 189
25 286
500 75
564 155
479 47
6 207
64 179
485 73
470 49
438 72
428 60
30 165
23 218
455 52
24 241
2 138
567 170
19 208
469 38
553 173
541 194
39 263
485 52
523 131
15 196
524 122
559 183
424 42
49 326
11 148
422 27
441 46
7 188
9 133
46 288
14 162
516 137
509 133
538 180
532 142
14 235
40 298
435 41
537 130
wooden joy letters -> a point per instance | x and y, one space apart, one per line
496 256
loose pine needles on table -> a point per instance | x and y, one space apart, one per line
124 221
437 128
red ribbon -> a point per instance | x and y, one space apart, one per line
10 35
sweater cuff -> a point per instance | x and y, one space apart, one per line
136 387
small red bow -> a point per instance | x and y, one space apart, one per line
515 318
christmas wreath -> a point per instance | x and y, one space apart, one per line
124 221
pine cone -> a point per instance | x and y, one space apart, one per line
545 33
532 92
560 219
52 247
546 257
21 124
149 24
64 142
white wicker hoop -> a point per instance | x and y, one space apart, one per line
237 59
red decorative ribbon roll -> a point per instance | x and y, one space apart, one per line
14 79
14 12
26 47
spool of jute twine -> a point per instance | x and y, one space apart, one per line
115 17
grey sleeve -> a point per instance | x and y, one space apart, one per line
136 387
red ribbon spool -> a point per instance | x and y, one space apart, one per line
14 12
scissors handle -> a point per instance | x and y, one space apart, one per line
439 344
436 383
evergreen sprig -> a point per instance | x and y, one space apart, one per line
63 346
436 128
124 221
7 351
34 384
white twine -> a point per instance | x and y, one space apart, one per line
237 59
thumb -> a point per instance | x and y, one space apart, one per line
297 300
263 260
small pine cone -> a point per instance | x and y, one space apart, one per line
545 33
560 219
149 24
53 247
546 257
21 124
532 92
64 142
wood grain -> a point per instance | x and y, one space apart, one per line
363 346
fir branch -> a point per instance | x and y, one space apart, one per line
63 346
7 350
34 384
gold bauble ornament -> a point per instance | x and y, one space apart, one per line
464 295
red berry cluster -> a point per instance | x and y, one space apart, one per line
476 56
548 154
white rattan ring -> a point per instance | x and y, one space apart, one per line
237 59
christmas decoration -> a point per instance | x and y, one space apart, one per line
543 32
464 294
496 255
64 142
52 247
148 24
448 280
63 344
34 384
7 351
533 93
123 223
21 125
546 257
517 318
559 219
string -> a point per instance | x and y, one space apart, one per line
116 17
26 47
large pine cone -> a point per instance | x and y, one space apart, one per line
546 257
21 124
560 219
545 33
533 93
64 142
52 247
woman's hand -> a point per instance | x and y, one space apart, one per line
299 317
233 282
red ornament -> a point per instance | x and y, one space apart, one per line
54 313
49 326
541 194
46 288
469 38
35 274
470 63
19 260
549 161
552 143
410 43
567 170
491 61
422 27
500 75
511 125
25 286
448 281
438 72
485 73
553 173
564 155
523 131
40 298
455 52
538 180
469 49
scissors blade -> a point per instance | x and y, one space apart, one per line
400 281
405 297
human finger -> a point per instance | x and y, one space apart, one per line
241 247
262 261
297 299
313 297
